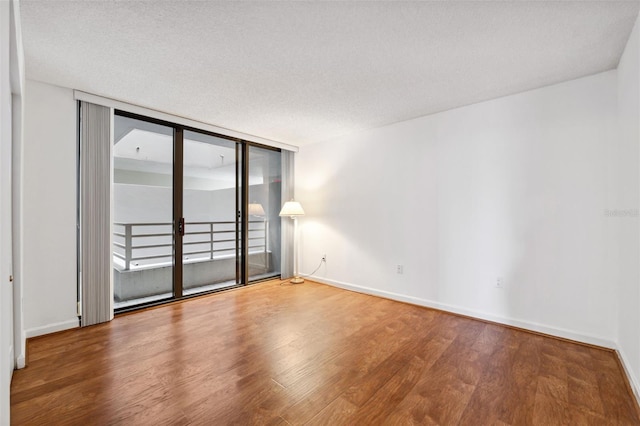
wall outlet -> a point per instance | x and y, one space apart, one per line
499 282
400 269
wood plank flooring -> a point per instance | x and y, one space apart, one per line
313 354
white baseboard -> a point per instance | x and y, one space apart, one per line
633 381
21 362
527 325
52 328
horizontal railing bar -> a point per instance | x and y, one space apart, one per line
208 223
185 254
152 246
186 233
197 252
207 251
186 223
190 243
171 234
119 245
117 234
151 257
121 256
224 231
216 232
220 223
144 224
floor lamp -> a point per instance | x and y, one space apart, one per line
293 209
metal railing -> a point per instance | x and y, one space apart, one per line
145 244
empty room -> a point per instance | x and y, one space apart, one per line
319 212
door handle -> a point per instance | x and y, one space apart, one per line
181 226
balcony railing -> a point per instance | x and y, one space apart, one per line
139 245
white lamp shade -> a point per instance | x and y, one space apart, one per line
256 209
292 208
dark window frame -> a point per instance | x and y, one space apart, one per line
242 202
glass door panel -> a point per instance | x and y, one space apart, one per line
181 198
143 239
210 242
265 179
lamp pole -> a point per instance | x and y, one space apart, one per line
296 279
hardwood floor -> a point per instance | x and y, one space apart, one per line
313 354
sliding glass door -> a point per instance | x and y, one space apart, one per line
265 180
211 242
181 197
143 212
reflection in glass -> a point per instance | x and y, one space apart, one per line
265 179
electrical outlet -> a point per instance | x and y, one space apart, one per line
324 257
400 269
499 282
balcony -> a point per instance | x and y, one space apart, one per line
143 258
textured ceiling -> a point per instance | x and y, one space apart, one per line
301 72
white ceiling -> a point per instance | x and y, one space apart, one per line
301 72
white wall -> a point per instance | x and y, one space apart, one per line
49 209
514 188
17 114
6 290
626 194
11 89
